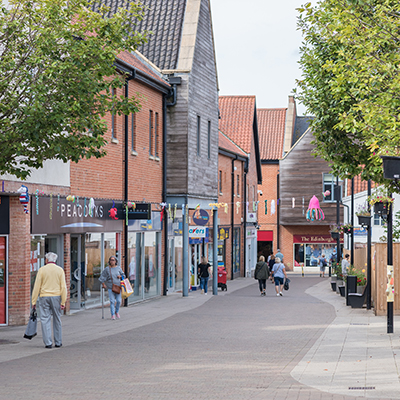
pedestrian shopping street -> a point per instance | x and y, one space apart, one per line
237 345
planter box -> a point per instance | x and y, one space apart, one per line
333 285
360 289
342 290
333 278
339 283
363 220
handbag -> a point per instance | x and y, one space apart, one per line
126 288
286 284
31 329
115 288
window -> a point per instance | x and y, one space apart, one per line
378 219
133 131
209 140
156 135
198 135
238 185
220 181
329 183
113 117
151 149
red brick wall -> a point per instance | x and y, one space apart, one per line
18 264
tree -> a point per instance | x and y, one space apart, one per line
57 75
350 81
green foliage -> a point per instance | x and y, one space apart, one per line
56 77
361 279
351 83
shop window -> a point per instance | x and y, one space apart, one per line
238 185
133 131
236 250
151 147
220 182
329 183
156 135
378 220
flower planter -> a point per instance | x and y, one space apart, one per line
342 290
333 285
364 220
360 289
335 235
381 208
339 283
333 278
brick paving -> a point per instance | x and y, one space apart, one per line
237 345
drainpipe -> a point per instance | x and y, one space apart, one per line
277 214
232 211
246 170
164 195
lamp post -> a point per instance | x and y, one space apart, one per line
391 170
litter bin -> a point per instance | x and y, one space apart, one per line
222 278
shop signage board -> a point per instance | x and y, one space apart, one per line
150 225
200 217
223 233
315 239
141 211
251 233
197 232
200 240
51 215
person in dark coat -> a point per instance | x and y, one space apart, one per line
271 263
261 274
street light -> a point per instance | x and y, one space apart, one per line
391 170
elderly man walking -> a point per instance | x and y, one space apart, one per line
51 288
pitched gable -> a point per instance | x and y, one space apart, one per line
271 132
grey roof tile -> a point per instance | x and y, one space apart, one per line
165 19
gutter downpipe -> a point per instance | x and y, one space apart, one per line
164 195
277 214
246 169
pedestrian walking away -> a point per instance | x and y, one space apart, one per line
279 255
51 289
322 264
271 263
345 264
203 271
261 273
279 274
109 277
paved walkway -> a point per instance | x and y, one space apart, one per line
237 345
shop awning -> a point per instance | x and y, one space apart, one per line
265 236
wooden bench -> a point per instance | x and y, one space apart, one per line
357 300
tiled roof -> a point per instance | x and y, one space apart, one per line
271 132
165 19
134 60
236 119
359 185
301 125
227 144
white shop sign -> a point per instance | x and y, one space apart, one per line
197 231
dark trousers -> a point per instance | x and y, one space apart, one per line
261 284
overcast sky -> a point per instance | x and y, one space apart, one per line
257 48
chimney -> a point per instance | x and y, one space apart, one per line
291 114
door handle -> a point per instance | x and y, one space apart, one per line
78 278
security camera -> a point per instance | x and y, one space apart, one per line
260 192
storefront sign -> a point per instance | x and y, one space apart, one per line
251 217
390 284
205 239
223 233
53 216
197 232
200 217
315 239
152 225
141 211
360 232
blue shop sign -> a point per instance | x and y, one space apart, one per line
153 224
199 240
200 217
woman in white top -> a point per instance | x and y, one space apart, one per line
279 273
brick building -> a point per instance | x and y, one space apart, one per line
238 121
70 203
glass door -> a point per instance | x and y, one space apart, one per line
77 289
171 265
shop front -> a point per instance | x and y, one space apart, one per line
93 237
144 255
307 249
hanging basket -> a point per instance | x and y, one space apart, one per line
335 235
364 220
381 208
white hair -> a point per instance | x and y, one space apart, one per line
51 257
277 260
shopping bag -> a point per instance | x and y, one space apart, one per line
126 288
286 284
31 329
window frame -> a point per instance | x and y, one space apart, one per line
198 134
209 140
326 185
151 133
